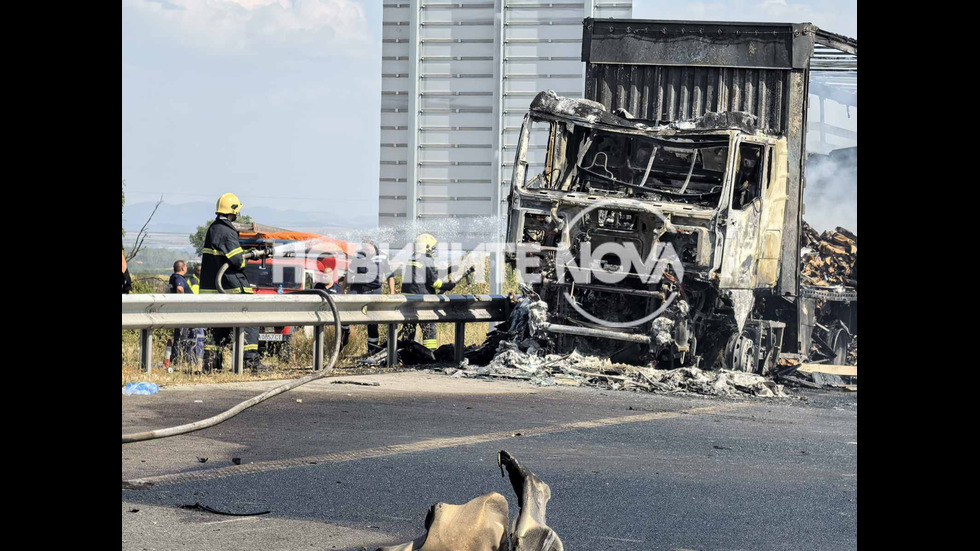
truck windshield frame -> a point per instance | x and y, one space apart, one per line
689 168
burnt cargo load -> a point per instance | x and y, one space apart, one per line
687 158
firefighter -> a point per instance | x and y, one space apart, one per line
194 280
366 273
221 245
422 278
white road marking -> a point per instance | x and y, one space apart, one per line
420 446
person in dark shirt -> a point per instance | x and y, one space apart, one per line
183 337
366 272
178 281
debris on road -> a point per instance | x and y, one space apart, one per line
482 523
140 389
202 459
818 380
359 383
516 348
199 507
580 370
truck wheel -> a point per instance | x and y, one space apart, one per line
840 342
740 353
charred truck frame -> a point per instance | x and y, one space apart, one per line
693 140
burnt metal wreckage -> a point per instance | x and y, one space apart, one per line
688 152
691 141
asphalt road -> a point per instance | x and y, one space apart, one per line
352 466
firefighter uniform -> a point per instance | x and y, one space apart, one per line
367 272
195 283
421 277
221 245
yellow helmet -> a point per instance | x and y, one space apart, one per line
228 204
425 243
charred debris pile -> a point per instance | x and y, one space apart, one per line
829 262
830 258
515 350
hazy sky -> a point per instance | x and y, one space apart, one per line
278 101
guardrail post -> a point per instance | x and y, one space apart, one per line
392 345
318 345
460 342
146 349
238 350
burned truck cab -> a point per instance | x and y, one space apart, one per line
648 242
660 218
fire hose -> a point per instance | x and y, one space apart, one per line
221 417
247 255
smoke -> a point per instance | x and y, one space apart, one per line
830 196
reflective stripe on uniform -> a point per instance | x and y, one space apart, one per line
210 347
437 284
372 340
431 344
236 291
251 347
415 264
216 252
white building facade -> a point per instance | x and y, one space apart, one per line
457 79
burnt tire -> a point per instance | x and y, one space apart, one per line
840 343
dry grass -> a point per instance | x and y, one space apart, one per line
301 361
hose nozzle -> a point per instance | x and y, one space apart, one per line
257 253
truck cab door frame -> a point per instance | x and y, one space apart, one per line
743 215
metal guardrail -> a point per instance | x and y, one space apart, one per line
160 311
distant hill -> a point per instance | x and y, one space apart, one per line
185 217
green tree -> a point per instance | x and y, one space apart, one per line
197 238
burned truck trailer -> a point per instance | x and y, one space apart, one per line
661 216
